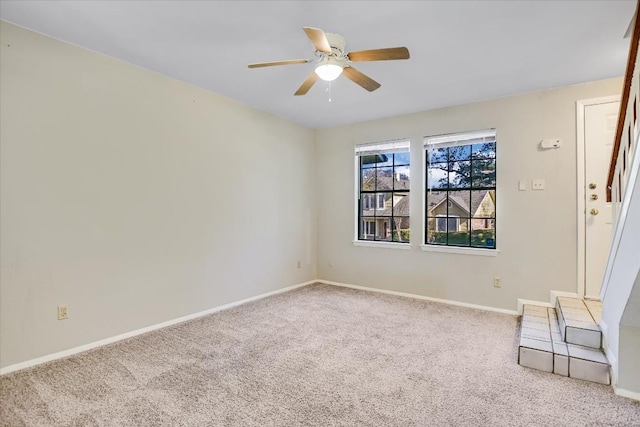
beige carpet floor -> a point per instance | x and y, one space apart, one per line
316 356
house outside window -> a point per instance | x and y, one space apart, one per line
383 191
461 189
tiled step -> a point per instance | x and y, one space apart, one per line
577 324
536 350
595 309
541 347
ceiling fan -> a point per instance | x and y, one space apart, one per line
332 60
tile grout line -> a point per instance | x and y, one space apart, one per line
553 353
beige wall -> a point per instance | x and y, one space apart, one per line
136 199
536 230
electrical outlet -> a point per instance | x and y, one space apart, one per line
63 312
497 282
537 184
299 264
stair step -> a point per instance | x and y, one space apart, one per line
542 347
595 308
577 324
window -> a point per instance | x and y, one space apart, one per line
373 201
461 189
383 191
369 229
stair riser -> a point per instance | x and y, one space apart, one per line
564 343
564 365
583 337
588 335
589 371
536 359
561 365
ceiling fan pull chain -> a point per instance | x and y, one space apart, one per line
329 90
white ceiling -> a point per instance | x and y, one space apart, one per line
461 51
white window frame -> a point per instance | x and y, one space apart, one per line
446 140
390 146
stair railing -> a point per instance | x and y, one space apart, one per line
625 142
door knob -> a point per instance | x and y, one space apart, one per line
594 211
592 186
594 197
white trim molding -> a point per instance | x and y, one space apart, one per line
626 393
459 250
553 297
421 297
555 294
522 302
110 340
622 219
380 244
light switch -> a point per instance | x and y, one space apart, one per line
537 184
522 185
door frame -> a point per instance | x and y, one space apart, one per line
580 184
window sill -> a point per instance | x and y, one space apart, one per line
378 244
460 250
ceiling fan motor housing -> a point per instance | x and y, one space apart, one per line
337 43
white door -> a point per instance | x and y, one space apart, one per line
599 132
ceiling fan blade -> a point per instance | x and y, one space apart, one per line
318 38
379 54
271 64
304 88
361 79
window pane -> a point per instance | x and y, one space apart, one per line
368 179
383 231
384 196
460 174
484 173
367 229
401 178
460 200
437 175
367 205
401 204
458 231
436 203
368 161
459 203
383 204
483 233
436 155
402 158
433 235
462 152
483 203
400 231
484 151
384 178
384 160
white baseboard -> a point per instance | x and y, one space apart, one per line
626 393
613 362
522 302
422 297
555 294
85 347
79 349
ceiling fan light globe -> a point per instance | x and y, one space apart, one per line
328 72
